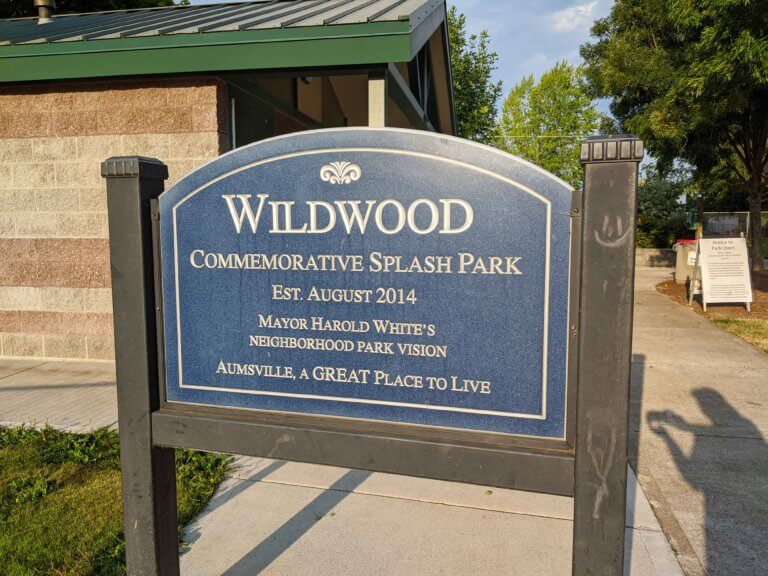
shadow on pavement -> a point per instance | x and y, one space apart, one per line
192 534
728 465
31 387
281 539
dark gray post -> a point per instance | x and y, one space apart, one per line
148 472
605 353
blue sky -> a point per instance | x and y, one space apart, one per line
529 35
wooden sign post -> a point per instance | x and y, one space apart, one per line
382 299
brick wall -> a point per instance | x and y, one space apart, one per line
55 298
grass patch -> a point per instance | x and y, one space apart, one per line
753 330
60 502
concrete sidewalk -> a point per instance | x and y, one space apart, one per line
272 516
279 518
74 396
699 420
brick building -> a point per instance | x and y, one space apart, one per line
182 84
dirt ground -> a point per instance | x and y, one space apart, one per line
679 293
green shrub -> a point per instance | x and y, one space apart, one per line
644 239
655 232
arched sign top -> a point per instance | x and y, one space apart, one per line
449 148
377 274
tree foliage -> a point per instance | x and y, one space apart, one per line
475 94
22 8
662 217
659 195
691 79
545 121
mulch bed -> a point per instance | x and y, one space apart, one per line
679 293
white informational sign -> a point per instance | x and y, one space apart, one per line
725 270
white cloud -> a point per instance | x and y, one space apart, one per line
572 18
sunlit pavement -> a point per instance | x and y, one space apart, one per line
700 412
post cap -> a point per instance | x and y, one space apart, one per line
623 148
134 167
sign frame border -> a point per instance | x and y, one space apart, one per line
592 466
248 431
519 446
571 340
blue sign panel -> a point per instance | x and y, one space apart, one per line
377 274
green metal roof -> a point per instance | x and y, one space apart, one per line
266 34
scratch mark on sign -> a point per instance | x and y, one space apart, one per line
602 464
284 439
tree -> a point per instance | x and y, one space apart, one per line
475 94
545 122
22 8
691 79
659 194
661 216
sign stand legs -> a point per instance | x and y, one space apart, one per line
605 354
148 472
692 284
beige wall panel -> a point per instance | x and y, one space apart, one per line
15 150
6 175
93 199
100 348
150 145
19 298
25 345
62 299
195 145
64 346
55 299
16 200
55 200
7 225
97 300
34 175
61 225
98 148
50 149
16 299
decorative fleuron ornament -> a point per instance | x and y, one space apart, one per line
340 173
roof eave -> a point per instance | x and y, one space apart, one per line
322 46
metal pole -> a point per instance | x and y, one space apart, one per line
605 353
148 472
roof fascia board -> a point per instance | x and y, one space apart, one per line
205 39
451 94
212 52
421 34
